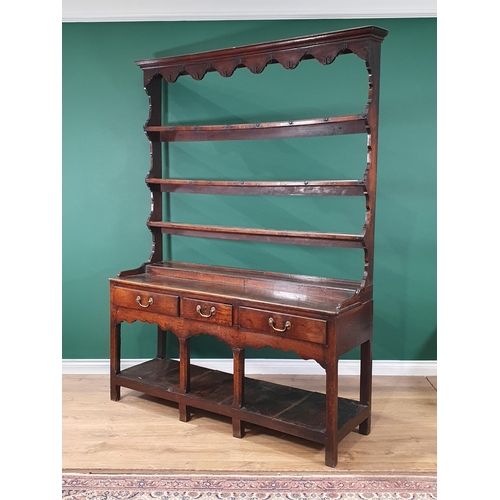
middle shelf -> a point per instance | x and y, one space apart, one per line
337 125
263 235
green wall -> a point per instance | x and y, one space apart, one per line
106 157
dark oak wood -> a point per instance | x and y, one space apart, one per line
238 389
318 318
324 47
184 376
290 410
266 235
355 124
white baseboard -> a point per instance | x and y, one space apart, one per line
267 366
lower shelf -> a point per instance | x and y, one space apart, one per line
286 409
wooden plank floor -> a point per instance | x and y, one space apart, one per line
143 434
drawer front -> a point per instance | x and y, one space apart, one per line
145 300
286 325
211 312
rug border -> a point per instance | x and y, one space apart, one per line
254 483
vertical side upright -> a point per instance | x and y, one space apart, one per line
154 91
370 177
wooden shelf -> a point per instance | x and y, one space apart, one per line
273 188
263 235
339 125
283 408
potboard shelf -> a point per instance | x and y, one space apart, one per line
290 409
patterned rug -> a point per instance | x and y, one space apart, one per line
225 487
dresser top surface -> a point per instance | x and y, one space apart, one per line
322 295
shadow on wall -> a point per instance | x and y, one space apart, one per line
429 347
244 37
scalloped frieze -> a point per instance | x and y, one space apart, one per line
290 59
326 54
131 316
149 74
132 319
196 71
170 75
256 63
361 49
225 67
259 341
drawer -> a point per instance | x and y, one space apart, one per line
212 312
286 325
145 300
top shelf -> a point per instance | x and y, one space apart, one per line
289 52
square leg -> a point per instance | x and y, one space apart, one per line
114 358
365 394
238 389
331 438
184 377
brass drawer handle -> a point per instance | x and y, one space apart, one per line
212 311
138 300
288 325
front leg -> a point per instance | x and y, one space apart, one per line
184 377
114 357
366 384
331 442
238 389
